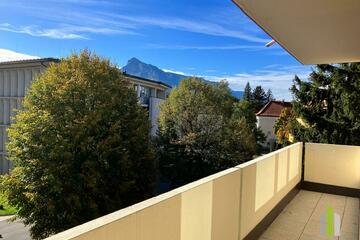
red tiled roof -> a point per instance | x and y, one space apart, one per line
273 108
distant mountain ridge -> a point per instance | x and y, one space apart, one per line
138 68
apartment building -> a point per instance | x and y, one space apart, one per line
16 77
151 94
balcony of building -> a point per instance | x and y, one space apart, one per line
284 195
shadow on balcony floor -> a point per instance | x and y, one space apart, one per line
301 218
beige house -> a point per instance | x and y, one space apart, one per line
267 117
16 77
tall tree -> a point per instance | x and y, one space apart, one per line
80 147
269 95
245 109
247 92
199 134
259 98
329 104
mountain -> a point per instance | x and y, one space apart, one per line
237 94
138 68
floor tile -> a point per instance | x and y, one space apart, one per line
300 220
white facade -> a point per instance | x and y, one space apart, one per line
267 117
15 78
154 112
151 94
266 124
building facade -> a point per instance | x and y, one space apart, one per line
267 117
151 94
16 77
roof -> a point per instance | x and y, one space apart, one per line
35 60
147 80
273 108
313 31
42 60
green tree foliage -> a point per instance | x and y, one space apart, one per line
247 92
259 98
284 127
245 109
199 132
269 96
329 104
80 146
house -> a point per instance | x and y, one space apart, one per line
16 77
267 117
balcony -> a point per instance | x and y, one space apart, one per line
144 101
281 195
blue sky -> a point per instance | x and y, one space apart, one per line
210 38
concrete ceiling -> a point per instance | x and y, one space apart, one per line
313 31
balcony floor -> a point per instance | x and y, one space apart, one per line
300 220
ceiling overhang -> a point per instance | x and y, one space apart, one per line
313 31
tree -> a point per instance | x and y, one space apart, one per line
259 98
80 147
247 92
284 127
329 105
269 96
245 109
199 134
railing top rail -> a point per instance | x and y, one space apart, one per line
332 145
258 159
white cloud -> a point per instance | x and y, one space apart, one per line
37 32
204 47
195 26
278 78
85 2
62 32
176 72
8 55
128 23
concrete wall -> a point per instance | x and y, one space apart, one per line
14 81
265 181
337 165
224 206
266 124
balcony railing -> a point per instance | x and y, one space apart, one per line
233 204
